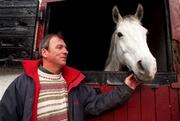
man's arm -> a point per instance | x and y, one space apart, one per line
96 103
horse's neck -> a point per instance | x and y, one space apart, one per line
113 65
110 54
112 62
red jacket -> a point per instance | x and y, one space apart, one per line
19 102
72 76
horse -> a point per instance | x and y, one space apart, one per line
128 46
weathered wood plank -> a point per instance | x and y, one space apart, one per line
92 118
134 106
11 4
18 12
19 21
108 116
163 112
146 104
175 25
176 55
6 42
15 48
16 39
174 105
148 112
176 63
175 17
121 114
14 54
19 30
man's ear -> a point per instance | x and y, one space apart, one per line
44 52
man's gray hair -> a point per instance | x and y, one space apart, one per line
45 41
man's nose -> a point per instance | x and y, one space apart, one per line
66 51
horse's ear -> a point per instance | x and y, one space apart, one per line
139 12
116 15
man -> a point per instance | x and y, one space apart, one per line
51 91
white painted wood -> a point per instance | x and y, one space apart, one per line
7 75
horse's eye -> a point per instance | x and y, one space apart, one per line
119 34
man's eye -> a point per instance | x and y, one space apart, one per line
59 47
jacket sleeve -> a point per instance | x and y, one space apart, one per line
13 101
97 103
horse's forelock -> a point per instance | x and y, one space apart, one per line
130 18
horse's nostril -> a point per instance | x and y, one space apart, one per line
140 65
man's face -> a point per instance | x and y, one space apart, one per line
57 52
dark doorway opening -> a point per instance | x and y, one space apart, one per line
88 26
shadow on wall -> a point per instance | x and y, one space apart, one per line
7 75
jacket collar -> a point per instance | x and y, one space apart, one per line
72 76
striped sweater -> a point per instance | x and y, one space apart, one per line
53 98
